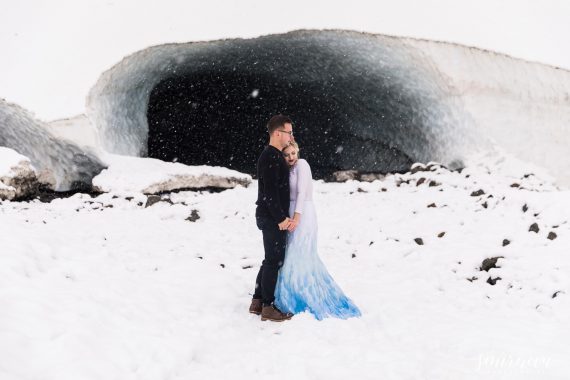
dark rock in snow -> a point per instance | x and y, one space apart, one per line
420 181
534 228
506 242
552 235
194 216
152 199
489 263
441 234
525 208
418 167
493 281
477 193
419 241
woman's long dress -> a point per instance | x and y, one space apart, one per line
304 284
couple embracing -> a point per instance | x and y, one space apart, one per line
292 277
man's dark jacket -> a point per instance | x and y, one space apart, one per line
273 182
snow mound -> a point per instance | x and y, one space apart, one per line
17 175
129 175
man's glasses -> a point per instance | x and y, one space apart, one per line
290 133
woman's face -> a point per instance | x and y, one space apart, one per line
290 154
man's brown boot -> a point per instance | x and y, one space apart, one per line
255 307
272 313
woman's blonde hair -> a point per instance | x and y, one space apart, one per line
294 145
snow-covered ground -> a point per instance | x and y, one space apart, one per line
104 288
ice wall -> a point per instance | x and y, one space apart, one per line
61 164
369 102
376 94
523 107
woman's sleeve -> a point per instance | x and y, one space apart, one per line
304 178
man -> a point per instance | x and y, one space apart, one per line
271 216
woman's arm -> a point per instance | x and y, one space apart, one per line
304 178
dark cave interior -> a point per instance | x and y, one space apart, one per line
218 118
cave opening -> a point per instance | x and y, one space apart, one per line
219 119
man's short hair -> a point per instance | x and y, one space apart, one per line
277 122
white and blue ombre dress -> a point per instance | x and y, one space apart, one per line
304 284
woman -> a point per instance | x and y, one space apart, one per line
304 284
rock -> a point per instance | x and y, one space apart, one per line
433 166
556 293
484 204
431 205
420 181
515 185
127 174
489 263
401 181
152 199
534 228
18 178
353 255
472 279
493 281
419 241
194 216
441 234
551 235
418 167
524 208
477 193
506 242
361 190
371 177
344 175
434 183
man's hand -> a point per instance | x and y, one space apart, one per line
284 224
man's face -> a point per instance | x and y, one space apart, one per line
285 134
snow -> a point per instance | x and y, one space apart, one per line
9 159
107 288
127 175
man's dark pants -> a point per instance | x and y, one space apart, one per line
274 242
